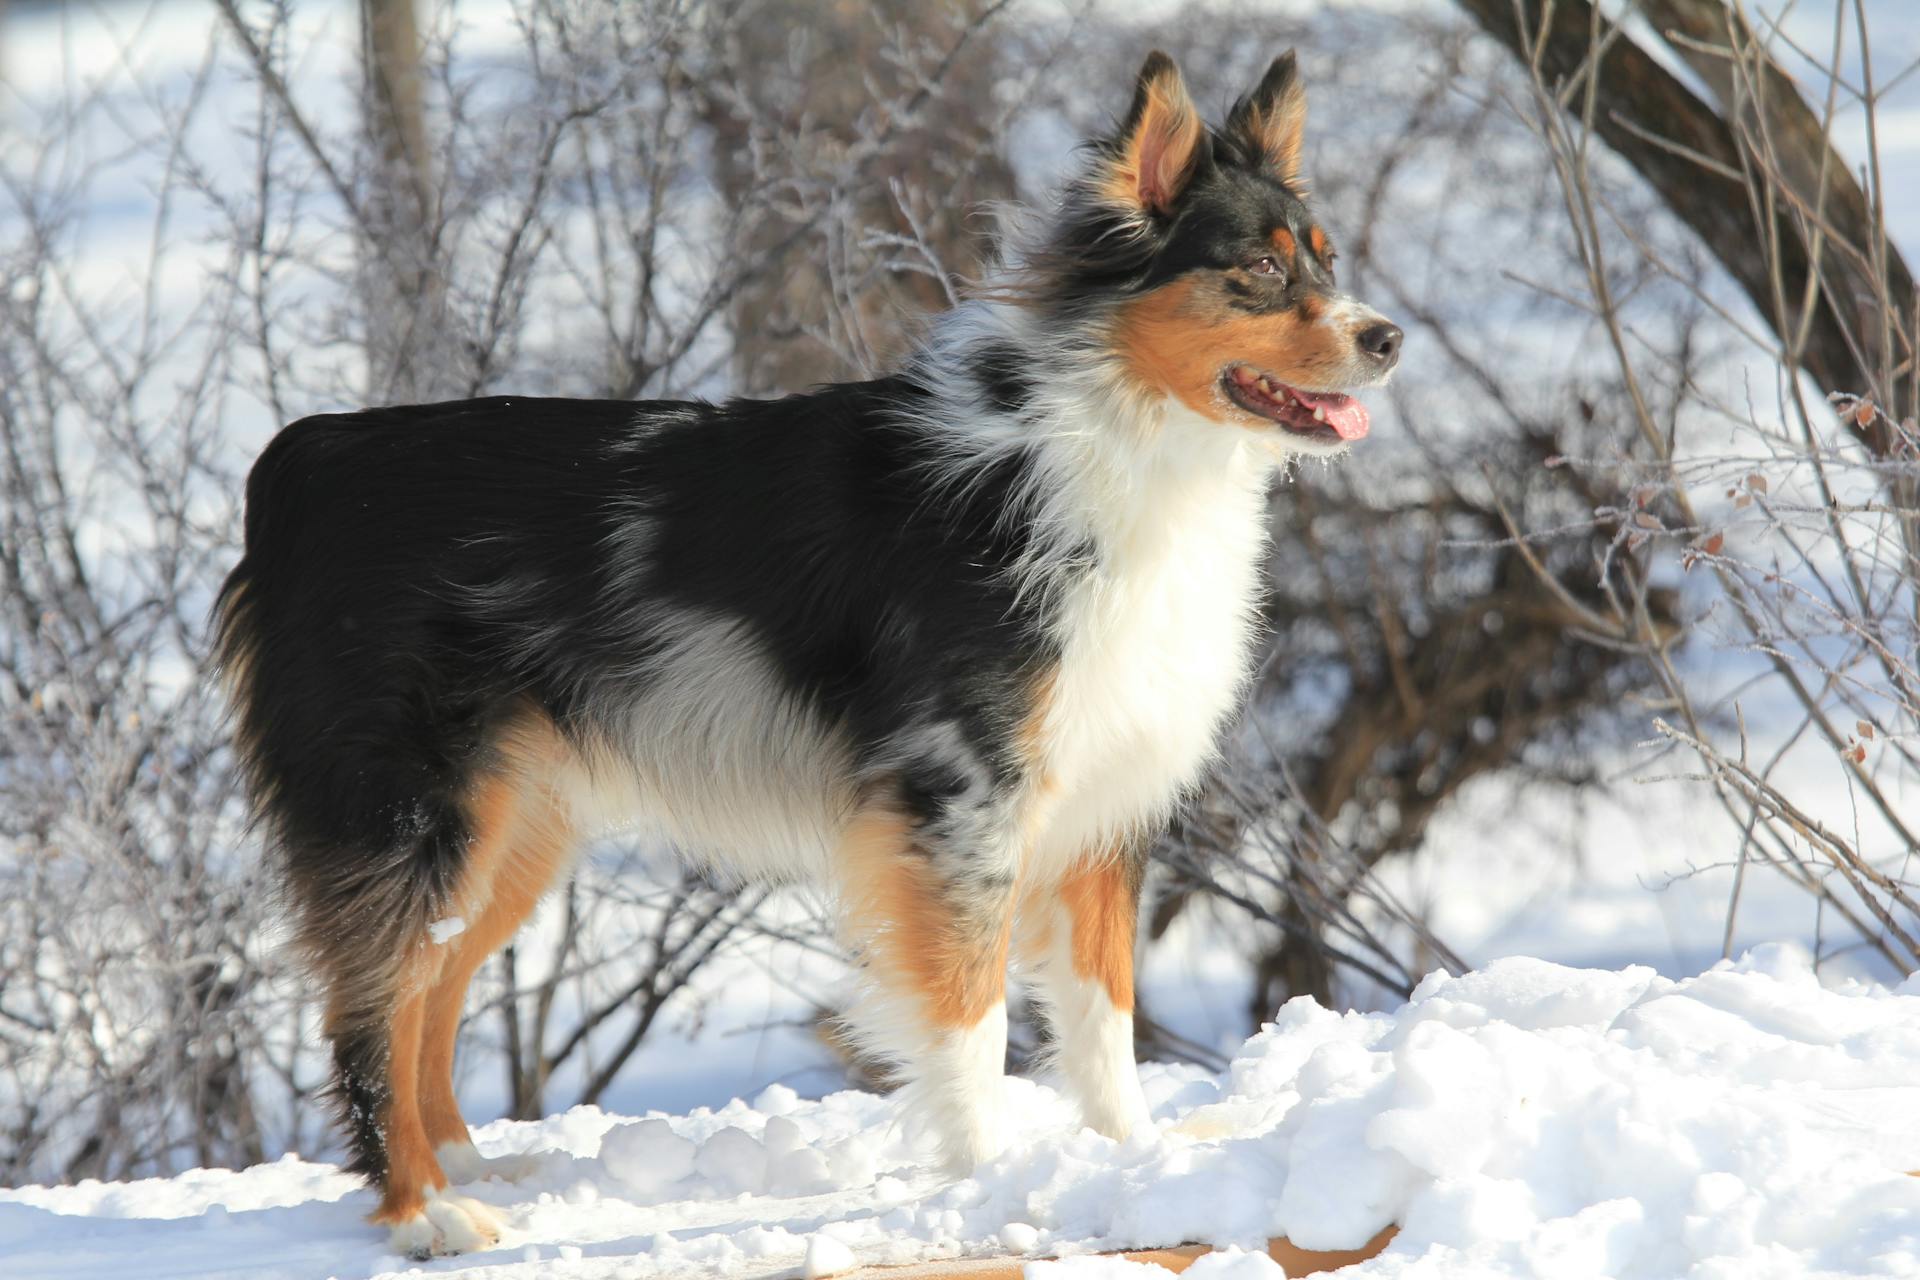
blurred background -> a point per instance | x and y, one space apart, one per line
1602 648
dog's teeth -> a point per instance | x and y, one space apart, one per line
1266 385
1319 413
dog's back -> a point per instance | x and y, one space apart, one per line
417 578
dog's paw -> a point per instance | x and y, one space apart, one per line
463 1164
964 1131
448 1224
1116 1109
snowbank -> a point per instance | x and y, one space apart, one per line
1527 1120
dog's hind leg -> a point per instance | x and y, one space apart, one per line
517 858
1076 939
366 920
376 1064
522 846
422 1216
932 927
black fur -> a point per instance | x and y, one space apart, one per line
419 580
360 1093
1101 251
412 575
1005 378
456 556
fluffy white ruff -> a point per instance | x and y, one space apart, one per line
449 1224
1155 637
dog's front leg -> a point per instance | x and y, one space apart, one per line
929 905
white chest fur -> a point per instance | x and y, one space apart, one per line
1155 640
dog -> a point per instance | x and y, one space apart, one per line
952 641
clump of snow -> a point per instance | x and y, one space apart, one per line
827 1257
442 930
1527 1120
733 1161
647 1157
1019 1237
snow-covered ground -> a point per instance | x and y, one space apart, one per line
1525 1120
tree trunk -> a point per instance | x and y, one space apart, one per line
824 305
1696 158
1772 200
403 292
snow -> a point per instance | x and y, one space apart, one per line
827 1257
442 930
1525 1120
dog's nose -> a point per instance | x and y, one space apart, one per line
1382 342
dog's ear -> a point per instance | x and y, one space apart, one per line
1272 118
1157 149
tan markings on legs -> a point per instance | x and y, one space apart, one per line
411 1167
912 928
1078 936
1101 896
522 844
937 948
491 818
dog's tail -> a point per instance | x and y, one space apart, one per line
352 781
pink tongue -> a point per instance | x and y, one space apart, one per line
1344 414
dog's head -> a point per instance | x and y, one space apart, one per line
1195 252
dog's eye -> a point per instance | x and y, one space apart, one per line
1266 267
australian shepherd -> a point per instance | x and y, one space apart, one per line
952 642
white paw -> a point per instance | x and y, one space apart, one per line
448 1225
966 1130
1118 1109
412 1238
463 1164
979 1138
464 1224
1118 1124
959 1093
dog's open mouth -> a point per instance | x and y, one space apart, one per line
1328 416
